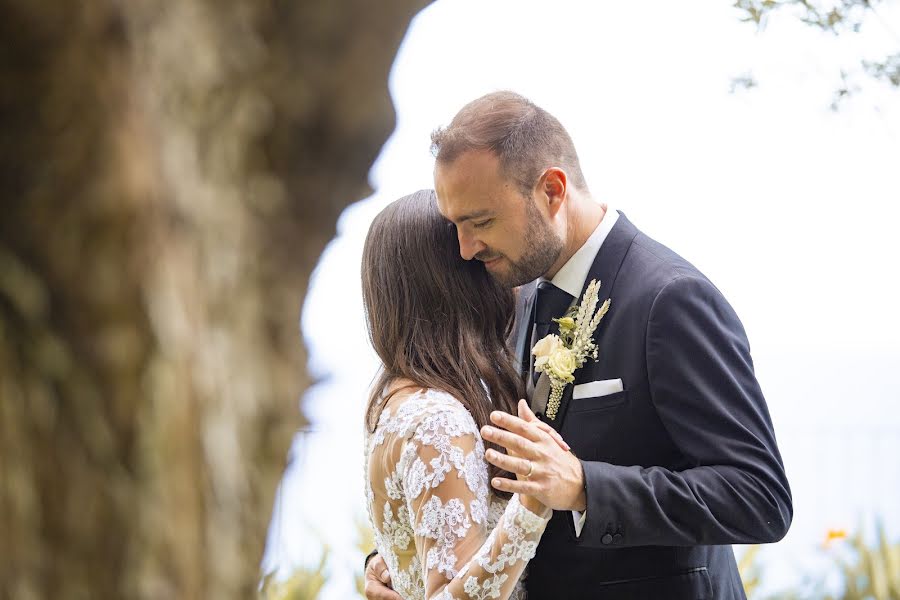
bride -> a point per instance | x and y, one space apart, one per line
439 325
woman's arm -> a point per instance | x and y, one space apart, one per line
445 479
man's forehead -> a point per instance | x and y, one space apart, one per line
470 167
460 207
467 188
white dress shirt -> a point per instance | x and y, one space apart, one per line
571 278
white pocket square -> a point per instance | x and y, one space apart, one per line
592 389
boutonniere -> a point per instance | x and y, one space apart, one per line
559 356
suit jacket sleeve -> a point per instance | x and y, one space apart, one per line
704 389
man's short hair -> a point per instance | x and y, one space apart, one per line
526 138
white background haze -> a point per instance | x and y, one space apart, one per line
789 207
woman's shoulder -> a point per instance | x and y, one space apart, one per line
427 410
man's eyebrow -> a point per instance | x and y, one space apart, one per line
475 215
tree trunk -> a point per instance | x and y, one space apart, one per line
170 173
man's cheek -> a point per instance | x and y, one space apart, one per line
507 247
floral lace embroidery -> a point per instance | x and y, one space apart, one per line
398 530
489 588
441 533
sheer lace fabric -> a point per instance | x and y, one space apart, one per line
441 532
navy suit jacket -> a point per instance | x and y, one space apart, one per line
679 465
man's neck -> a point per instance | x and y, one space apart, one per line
584 217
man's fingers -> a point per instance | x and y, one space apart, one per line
379 569
511 441
375 567
375 590
516 425
554 434
378 579
525 412
519 466
516 486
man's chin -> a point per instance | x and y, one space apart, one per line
508 278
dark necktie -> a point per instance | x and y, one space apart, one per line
550 303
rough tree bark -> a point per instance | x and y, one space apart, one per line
170 172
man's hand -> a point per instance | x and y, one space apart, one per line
543 468
526 415
378 581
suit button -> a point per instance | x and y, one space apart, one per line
606 539
617 539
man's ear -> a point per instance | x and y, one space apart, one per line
553 185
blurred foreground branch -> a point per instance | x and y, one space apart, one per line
170 173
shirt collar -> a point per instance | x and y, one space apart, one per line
570 278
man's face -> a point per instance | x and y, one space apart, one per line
495 223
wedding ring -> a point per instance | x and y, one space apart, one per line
530 470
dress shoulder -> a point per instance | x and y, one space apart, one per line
429 410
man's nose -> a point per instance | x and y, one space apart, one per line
469 246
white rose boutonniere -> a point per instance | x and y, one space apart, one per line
559 356
545 347
561 364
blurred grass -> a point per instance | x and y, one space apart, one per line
750 570
868 571
871 572
365 543
306 583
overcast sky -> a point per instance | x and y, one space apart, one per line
790 208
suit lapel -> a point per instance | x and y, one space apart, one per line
609 258
605 269
523 326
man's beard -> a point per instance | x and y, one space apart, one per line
542 248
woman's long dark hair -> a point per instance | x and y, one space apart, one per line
434 318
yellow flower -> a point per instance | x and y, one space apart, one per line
834 534
562 364
566 323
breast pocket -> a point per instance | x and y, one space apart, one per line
597 395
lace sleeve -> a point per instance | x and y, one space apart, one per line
446 482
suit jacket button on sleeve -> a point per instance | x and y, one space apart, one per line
606 539
617 539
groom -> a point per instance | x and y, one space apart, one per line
673 456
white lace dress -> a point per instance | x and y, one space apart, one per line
440 530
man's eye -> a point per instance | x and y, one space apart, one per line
483 224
